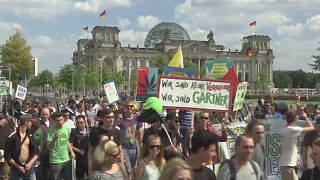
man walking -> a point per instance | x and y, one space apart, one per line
203 149
59 149
241 166
21 151
80 142
289 141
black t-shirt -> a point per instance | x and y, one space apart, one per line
80 140
203 173
97 132
5 131
306 175
176 140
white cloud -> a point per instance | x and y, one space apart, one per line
123 23
313 23
7 29
96 5
148 21
52 53
38 9
132 37
291 30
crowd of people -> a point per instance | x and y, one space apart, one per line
86 139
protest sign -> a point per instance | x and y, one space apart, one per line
21 92
240 95
3 89
218 68
193 93
147 83
272 144
111 92
178 72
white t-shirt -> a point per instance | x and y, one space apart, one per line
70 123
289 141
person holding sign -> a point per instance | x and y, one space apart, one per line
289 140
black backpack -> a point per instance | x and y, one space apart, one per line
232 167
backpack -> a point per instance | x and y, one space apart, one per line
232 167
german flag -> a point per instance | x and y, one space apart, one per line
103 14
86 29
253 25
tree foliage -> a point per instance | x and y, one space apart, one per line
316 63
159 63
282 80
16 54
43 78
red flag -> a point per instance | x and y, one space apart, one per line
233 78
103 14
249 52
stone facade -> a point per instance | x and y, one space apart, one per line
105 43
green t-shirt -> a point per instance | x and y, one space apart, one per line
59 152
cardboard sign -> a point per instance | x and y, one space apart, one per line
218 68
178 72
3 89
111 92
193 93
240 95
21 92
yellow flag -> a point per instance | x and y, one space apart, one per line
177 60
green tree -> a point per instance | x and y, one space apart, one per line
66 76
43 78
134 79
108 75
159 63
281 79
316 63
262 82
16 54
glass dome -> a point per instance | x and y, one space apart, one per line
158 32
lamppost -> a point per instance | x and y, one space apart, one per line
72 81
84 78
101 61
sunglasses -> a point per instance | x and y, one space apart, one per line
154 146
204 117
114 155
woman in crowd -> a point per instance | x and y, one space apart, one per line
152 160
107 168
176 169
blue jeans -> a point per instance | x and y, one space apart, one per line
61 171
15 174
130 156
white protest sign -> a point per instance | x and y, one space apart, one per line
21 92
241 93
111 92
193 93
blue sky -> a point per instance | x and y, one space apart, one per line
52 27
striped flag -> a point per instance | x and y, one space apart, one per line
253 25
103 14
86 29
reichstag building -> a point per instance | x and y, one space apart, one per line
163 40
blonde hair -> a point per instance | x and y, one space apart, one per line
172 167
101 151
160 162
